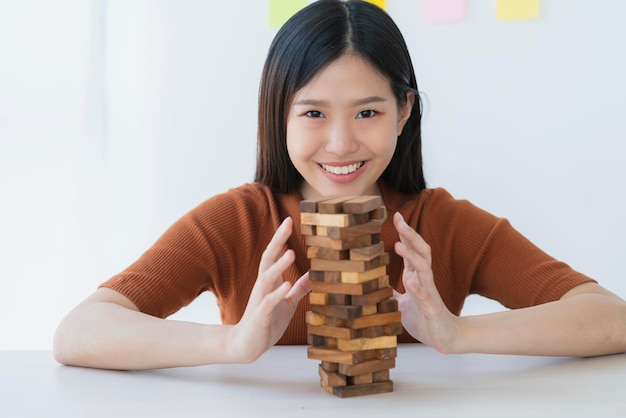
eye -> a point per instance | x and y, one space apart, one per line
365 114
314 114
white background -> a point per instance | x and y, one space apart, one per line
117 117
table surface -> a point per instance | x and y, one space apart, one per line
284 382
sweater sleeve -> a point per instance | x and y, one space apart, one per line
214 247
485 255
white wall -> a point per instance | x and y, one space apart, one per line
117 117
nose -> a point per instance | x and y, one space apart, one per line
341 139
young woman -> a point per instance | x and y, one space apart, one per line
339 114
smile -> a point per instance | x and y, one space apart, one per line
344 169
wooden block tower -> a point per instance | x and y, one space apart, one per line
354 322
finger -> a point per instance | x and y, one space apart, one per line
276 246
412 248
271 278
271 300
410 238
300 288
415 287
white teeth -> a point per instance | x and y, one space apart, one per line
343 169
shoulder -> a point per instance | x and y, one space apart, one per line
436 212
440 200
243 209
429 202
249 197
443 211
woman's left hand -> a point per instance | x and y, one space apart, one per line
424 315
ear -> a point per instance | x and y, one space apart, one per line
404 111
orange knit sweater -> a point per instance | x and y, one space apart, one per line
217 247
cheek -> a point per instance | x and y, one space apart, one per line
300 142
385 141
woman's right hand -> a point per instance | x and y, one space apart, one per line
272 302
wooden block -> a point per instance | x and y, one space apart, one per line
370 227
309 206
338 311
367 367
386 353
346 288
360 379
338 244
313 318
329 366
327 253
315 340
332 378
362 390
327 388
368 310
321 341
373 320
308 229
323 230
367 253
334 355
381 295
361 218
393 329
379 214
333 204
339 299
336 322
333 332
380 376
330 342
327 219
387 305
360 344
325 276
372 332
358 277
350 265
383 281
318 298
362 204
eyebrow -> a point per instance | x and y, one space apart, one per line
360 102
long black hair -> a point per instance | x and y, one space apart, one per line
309 41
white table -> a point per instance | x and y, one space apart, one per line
284 383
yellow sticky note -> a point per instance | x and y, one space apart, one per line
379 3
517 9
282 10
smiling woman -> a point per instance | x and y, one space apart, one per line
338 114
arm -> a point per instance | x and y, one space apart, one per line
588 320
108 331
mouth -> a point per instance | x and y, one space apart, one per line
342 169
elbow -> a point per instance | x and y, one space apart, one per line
620 331
615 338
61 349
66 347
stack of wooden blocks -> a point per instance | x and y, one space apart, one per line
354 320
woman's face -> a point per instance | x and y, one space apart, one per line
342 129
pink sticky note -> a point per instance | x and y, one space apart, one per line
443 10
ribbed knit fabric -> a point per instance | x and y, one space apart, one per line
217 247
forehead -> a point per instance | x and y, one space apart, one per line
348 75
